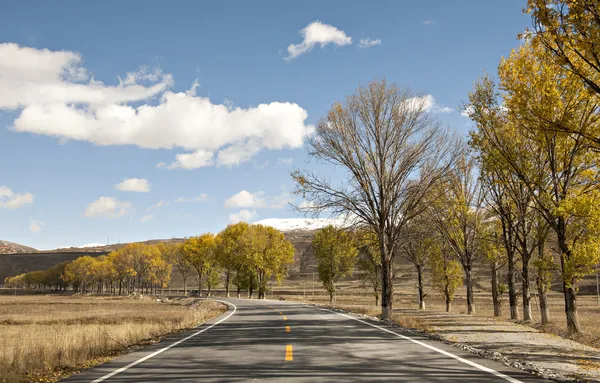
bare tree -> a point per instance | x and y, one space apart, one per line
391 152
459 216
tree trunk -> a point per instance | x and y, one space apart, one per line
512 292
421 288
544 309
238 291
330 298
227 283
387 286
199 283
526 291
573 325
469 282
448 300
376 299
495 293
185 286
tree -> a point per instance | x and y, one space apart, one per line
231 252
180 258
335 253
570 30
492 248
446 273
391 152
458 215
161 269
200 252
270 255
417 247
368 261
506 195
123 264
557 167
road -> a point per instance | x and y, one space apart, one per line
263 340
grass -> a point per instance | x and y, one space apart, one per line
45 338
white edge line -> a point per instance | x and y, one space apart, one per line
463 360
132 364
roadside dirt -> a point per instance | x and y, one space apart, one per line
514 344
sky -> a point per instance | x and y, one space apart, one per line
128 121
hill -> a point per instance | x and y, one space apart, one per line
13 248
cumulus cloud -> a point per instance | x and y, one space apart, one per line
367 42
317 33
427 103
139 185
258 200
11 200
246 199
147 217
57 97
108 207
242 215
36 225
195 160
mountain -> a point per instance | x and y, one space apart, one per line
305 224
13 248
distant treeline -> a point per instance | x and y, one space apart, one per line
245 255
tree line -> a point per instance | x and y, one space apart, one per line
523 193
243 255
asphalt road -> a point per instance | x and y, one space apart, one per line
280 341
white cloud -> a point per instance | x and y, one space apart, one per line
11 200
199 198
195 160
246 199
284 161
237 154
139 185
56 97
258 200
428 22
147 217
108 207
468 110
160 165
36 225
427 103
158 205
367 42
242 215
317 33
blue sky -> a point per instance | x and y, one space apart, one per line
94 94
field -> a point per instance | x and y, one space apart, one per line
44 338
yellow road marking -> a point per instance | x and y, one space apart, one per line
284 318
288 329
289 355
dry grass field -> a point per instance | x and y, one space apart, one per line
44 338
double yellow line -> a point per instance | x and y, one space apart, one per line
289 350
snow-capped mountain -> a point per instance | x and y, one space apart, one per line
291 224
